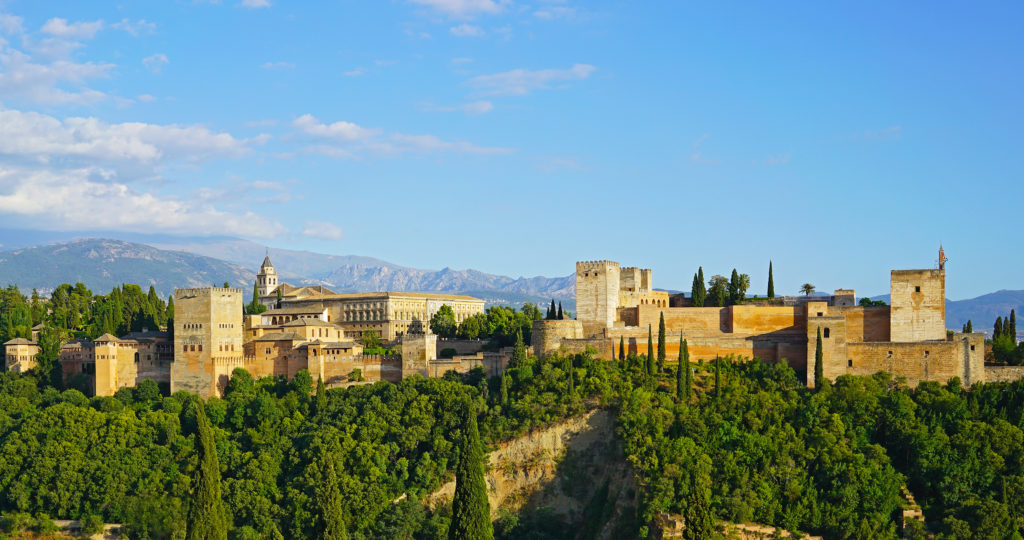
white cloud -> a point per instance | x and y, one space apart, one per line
43 137
77 30
21 78
461 8
146 98
346 140
254 4
89 199
155 62
466 30
519 82
135 28
355 72
472 108
555 12
10 24
277 65
322 230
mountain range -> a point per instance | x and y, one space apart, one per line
170 262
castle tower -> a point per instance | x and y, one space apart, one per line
207 339
918 311
597 295
266 279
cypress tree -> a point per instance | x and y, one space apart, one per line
567 367
699 292
700 523
471 511
518 352
650 351
1012 332
206 517
320 404
561 315
553 310
504 390
771 281
718 377
681 369
622 350
661 343
170 311
330 525
998 330
970 327
689 372
819 362
734 288
280 296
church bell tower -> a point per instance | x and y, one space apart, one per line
266 279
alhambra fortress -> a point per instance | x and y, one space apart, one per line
315 329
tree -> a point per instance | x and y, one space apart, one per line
369 339
255 307
997 331
689 372
442 323
969 328
661 343
771 281
622 349
700 522
718 377
227 285
552 311
1012 331
718 291
169 317
504 389
320 404
819 362
518 352
738 285
807 289
682 371
47 364
650 352
471 513
698 294
560 314
280 296
330 524
206 517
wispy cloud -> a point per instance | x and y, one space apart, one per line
254 4
59 27
698 156
886 134
277 65
10 24
135 28
346 140
355 72
22 78
322 230
146 98
472 108
466 30
155 62
519 82
462 8
550 13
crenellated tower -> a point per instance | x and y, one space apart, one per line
597 294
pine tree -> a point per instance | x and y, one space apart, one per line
518 352
661 343
998 330
330 524
561 315
970 327
622 350
1012 332
699 292
320 404
471 513
700 522
771 281
650 352
206 517
819 362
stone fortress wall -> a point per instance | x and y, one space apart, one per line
908 338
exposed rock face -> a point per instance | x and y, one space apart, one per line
565 467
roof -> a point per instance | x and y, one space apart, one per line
20 341
266 262
395 294
147 335
106 337
300 310
308 322
280 336
338 345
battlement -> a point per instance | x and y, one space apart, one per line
203 291
590 266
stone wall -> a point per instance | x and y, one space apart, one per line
461 346
418 350
1004 373
918 299
547 335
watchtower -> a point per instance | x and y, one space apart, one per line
918 311
597 294
266 278
207 338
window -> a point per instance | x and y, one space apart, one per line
917 288
849 363
890 354
826 332
972 347
820 314
926 354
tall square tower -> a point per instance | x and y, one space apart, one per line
597 294
918 311
207 339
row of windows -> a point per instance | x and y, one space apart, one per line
192 326
192 347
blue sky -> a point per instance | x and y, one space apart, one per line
517 137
